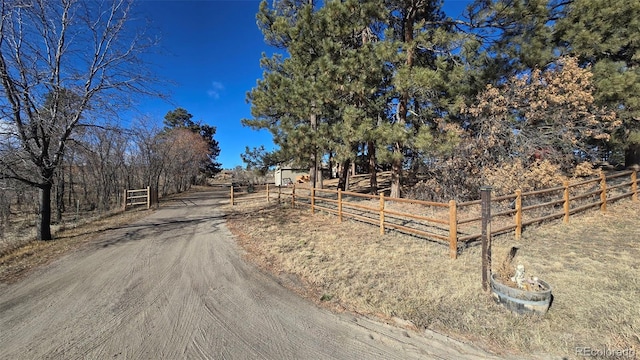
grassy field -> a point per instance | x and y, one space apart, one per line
592 263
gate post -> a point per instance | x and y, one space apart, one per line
485 193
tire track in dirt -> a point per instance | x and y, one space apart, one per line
173 286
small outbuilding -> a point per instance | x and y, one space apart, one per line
286 176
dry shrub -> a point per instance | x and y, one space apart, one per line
457 178
509 177
544 174
585 169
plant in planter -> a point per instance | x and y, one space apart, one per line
518 292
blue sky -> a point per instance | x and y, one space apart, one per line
211 49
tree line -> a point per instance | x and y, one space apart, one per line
101 161
399 85
67 69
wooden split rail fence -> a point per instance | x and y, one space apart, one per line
138 197
441 222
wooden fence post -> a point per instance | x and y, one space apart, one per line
565 205
485 193
148 197
634 185
267 192
340 205
518 214
124 200
232 203
313 199
279 193
293 196
603 192
381 213
453 229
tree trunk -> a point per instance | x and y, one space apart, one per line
396 165
396 173
71 192
314 175
319 178
44 224
373 179
343 177
60 197
632 156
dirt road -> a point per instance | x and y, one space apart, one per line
174 286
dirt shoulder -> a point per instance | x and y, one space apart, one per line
591 263
20 260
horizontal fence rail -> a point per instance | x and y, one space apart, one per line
137 197
514 212
248 192
441 222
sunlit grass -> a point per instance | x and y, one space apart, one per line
591 263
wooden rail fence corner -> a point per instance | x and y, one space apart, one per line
485 193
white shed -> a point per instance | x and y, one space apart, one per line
286 176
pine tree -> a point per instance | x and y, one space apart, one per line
288 99
606 35
425 81
354 73
516 33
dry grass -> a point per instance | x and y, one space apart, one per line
591 263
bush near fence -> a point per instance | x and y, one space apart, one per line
442 222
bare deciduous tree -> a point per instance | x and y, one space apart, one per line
50 50
186 150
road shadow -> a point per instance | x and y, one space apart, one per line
153 226
157 228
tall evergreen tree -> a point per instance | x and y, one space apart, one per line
343 72
290 98
426 74
354 72
606 35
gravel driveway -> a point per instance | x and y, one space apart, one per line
174 286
